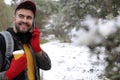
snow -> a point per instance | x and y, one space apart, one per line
107 28
70 62
98 30
7 1
75 61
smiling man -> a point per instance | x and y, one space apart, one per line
26 37
23 20
24 17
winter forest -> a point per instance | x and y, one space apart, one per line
82 34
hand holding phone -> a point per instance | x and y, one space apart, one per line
35 40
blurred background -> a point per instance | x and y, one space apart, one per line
91 23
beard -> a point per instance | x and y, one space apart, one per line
17 26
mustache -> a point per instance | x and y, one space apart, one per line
25 23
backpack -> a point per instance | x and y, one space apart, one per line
9 47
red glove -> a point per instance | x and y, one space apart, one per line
35 40
16 67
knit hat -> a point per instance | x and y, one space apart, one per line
27 5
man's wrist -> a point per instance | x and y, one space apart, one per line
39 53
37 49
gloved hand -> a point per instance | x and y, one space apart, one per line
16 67
35 40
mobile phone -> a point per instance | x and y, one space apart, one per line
33 25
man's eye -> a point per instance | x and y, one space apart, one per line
29 17
21 16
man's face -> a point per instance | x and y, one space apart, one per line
23 20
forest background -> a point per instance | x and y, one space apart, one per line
60 17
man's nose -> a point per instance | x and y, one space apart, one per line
25 20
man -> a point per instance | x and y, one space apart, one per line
26 37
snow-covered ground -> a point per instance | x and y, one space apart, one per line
71 62
74 61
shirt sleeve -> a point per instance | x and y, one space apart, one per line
43 61
2 51
3 76
2 54
2 44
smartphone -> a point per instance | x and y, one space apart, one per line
33 25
